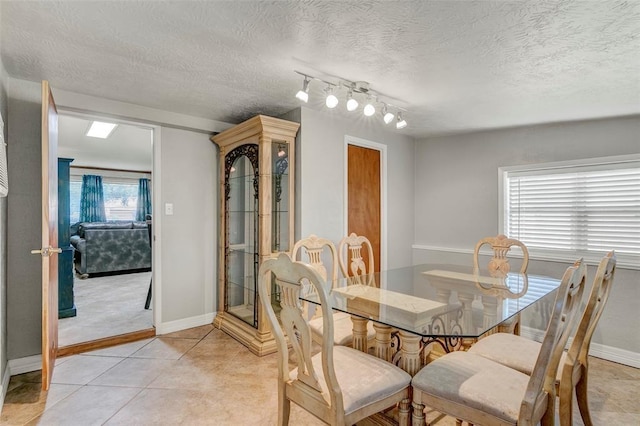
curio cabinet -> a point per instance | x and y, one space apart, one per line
256 221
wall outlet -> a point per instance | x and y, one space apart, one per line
168 209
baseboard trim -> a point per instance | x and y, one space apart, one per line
106 342
621 356
598 350
24 365
183 324
5 385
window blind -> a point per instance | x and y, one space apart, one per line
573 211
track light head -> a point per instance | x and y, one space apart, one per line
332 100
303 94
352 104
386 115
369 109
401 123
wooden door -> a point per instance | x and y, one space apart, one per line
364 209
49 250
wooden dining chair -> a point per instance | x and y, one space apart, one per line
315 247
339 385
480 391
520 353
357 271
499 266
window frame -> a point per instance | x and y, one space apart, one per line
627 261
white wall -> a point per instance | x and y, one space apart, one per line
189 174
457 202
186 241
4 376
321 174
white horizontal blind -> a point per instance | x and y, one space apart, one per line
574 211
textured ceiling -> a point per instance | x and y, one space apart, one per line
455 66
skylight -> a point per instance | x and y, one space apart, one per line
101 129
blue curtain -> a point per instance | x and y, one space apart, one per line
144 199
92 199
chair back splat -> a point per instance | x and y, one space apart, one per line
501 245
315 248
352 264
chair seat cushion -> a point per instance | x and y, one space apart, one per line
513 351
364 379
342 329
507 349
476 382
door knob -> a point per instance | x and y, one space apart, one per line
47 251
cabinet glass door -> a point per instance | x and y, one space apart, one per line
280 198
242 233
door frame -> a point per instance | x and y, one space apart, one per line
382 148
156 250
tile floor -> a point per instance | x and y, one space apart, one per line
201 376
107 306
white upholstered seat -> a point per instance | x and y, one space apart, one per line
521 353
339 385
484 392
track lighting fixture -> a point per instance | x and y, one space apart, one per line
303 94
400 124
354 89
387 116
352 104
332 100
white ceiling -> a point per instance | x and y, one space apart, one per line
456 66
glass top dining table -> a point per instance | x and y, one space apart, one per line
438 300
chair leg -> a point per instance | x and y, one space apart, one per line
284 408
147 303
418 412
566 403
404 412
583 400
549 416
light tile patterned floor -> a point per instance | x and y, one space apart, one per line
201 376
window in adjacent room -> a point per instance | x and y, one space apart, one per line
575 209
120 190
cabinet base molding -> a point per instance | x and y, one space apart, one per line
257 342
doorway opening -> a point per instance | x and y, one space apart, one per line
105 220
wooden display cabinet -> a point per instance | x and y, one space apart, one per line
256 221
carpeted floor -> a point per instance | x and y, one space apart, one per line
107 306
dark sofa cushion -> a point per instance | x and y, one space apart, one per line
140 225
116 224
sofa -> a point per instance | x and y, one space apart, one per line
113 246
